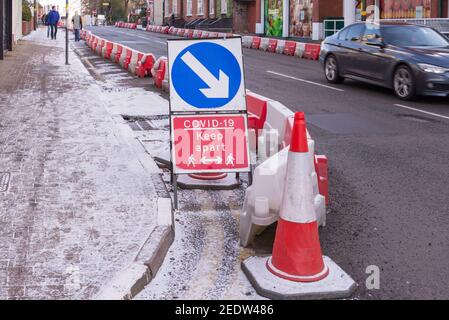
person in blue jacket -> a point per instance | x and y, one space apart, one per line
53 19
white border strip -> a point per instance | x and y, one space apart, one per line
305 81
422 111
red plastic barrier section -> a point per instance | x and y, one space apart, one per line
257 110
108 51
290 48
118 54
256 43
144 66
272 44
129 54
100 46
160 74
94 44
190 33
312 51
321 168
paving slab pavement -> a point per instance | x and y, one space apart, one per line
79 204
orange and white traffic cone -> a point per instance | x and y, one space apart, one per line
297 269
297 251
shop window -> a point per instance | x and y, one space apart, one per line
403 9
189 8
175 7
300 18
224 6
200 7
211 7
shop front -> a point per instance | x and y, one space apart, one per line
300 24
274 17
410 9
300 18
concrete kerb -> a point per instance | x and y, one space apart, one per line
133 279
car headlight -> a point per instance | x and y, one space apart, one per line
432 69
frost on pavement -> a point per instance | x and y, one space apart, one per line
79 203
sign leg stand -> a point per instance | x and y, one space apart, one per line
175 190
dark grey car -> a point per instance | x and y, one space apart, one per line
410 59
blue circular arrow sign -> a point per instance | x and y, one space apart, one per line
206 75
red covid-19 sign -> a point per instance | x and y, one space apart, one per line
210 143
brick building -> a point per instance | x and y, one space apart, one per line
10 24
289 18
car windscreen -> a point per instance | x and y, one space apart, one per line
412 36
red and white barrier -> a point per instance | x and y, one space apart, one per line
135 58
145 65
126 25
272 45
132 60
297 269
280 46
272 123
286 47
158 71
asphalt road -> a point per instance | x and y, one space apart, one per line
388 162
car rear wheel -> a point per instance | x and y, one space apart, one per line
331 70
404 83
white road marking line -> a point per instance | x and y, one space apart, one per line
153 39
305 81
142 37
422 111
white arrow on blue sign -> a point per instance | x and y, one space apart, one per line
206 75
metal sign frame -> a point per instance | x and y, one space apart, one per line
207 111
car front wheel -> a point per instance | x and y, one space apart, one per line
404 83
331 70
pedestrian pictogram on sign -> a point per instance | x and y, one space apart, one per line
210 143
206 75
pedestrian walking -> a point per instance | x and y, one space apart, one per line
45 20
53 18
77 25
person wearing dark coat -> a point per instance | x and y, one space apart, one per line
53 18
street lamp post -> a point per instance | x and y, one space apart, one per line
35 15
67 32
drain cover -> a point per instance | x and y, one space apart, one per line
4 181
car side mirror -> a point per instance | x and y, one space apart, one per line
376 42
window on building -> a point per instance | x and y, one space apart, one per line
200 7
211 7
167 8
189 7
175 7
224 6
